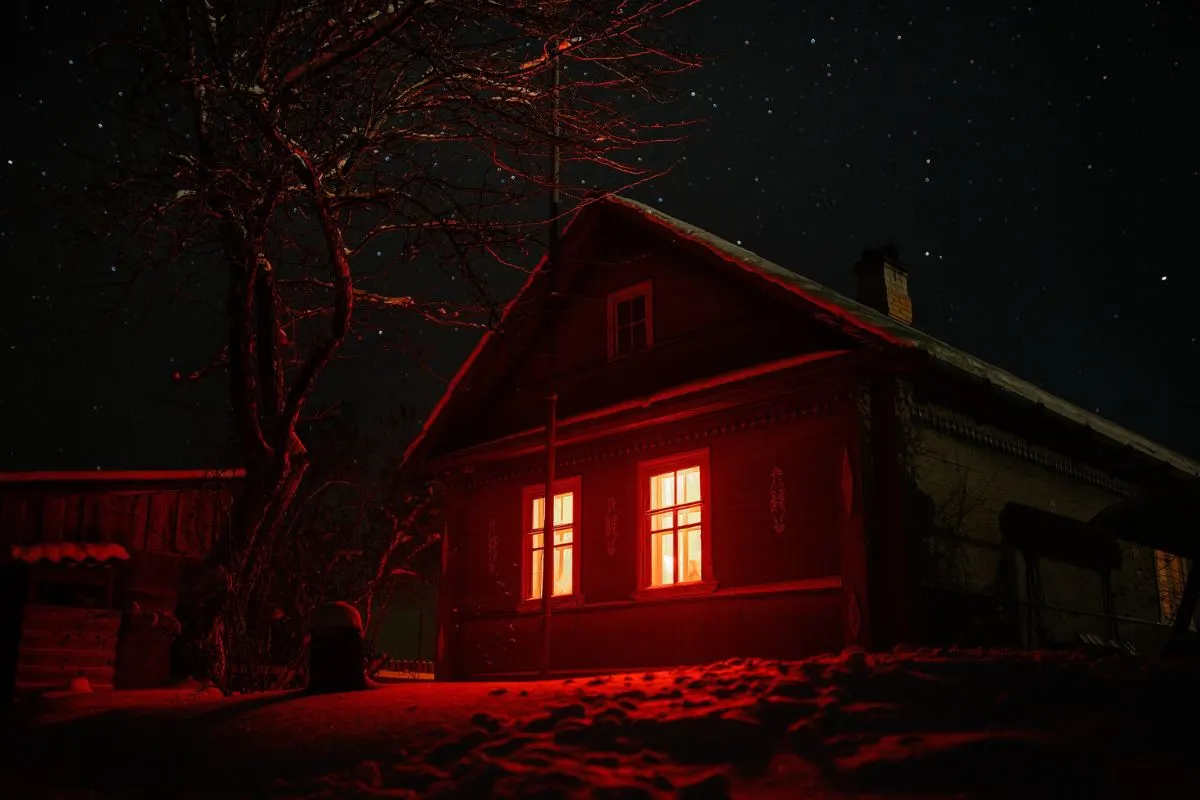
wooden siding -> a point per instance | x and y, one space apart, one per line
174 521
59 643
805 451
706 323
635 635
963 486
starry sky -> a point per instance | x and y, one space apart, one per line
1031 162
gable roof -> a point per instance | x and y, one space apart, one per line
860 320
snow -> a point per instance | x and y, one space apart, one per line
69 551
918 723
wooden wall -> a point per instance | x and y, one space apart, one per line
805 444
174 521
964 486
707 320
647 634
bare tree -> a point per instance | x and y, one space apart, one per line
298 144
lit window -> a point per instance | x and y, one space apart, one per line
1171 574
565 528
674 531
630 320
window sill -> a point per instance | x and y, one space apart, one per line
534 605
675 590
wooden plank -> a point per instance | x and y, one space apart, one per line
72 517
53 509
33 674
117 520
139 522
19 518
160 532
207 518
58 613
187 540
63 657
93 508
39 638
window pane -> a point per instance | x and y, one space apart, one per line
662 491
689 485
624 310
637 335
637 308
535 574
564 508
662 566
562 569
539 512
624 341
535 541
663 521
689 516
689 554
563 536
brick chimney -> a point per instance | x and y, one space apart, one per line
883 283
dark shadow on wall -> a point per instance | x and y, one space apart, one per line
944 611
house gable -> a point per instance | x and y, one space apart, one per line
707 320
602 234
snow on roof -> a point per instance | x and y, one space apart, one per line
851 315
897 332
78 552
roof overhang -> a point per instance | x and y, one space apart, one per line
862 322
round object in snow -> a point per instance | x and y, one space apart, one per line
336 657
334 616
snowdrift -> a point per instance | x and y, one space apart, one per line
915 724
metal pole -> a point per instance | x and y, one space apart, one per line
551 396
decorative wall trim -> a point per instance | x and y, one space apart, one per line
957 425
648 442
493 546
610 526
778 502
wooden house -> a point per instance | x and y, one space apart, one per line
81 551
750 464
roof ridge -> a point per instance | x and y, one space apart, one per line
900 333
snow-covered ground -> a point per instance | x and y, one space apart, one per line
910 724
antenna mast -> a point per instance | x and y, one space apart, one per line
552 265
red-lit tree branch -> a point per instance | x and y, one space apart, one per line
315 150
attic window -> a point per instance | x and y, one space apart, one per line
630 320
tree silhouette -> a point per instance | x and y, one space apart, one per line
301 144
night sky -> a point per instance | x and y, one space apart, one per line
1033 164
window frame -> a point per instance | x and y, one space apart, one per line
573 484
1170 577
657 466
643 288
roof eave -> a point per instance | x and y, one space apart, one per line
121 476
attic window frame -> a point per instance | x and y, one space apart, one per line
627 295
